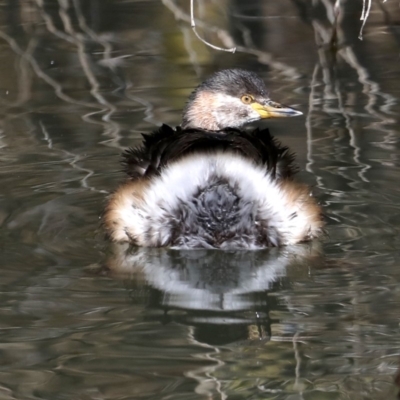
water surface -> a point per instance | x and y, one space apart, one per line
80 319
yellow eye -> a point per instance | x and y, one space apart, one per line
247 99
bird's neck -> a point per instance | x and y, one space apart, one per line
210 111
200 113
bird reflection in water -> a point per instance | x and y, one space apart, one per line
224 296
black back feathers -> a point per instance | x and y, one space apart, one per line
167 145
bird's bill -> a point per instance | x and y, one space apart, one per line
274 110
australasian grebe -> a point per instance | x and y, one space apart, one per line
209 184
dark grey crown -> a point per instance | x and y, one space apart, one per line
235 82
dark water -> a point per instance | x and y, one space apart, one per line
79 319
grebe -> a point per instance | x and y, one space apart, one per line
209 184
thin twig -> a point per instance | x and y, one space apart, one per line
262 56
193 25
364 15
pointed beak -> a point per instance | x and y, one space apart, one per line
270 109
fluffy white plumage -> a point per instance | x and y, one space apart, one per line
282 211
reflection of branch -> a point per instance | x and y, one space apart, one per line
73 159
28 61
24 83
262 56
51 27
41 74
310 140
333 91
297 383
187 41
112 128
209 382
388 21
364 15
193 25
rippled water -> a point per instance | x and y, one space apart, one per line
81 319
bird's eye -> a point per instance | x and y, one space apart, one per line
247 99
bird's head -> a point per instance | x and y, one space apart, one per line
231 98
